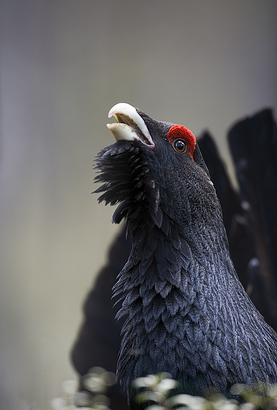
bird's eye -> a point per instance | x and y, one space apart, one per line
179 145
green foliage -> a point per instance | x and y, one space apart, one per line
158 392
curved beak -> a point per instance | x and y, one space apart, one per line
129 126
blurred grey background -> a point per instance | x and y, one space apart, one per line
64 63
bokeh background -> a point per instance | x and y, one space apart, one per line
64 63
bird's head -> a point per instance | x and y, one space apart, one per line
154 169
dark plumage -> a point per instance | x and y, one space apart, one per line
185 310
98 339
253 145
238 230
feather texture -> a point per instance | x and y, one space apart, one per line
185 310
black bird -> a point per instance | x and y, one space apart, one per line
185 310
253 146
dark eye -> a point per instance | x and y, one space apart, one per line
179 145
